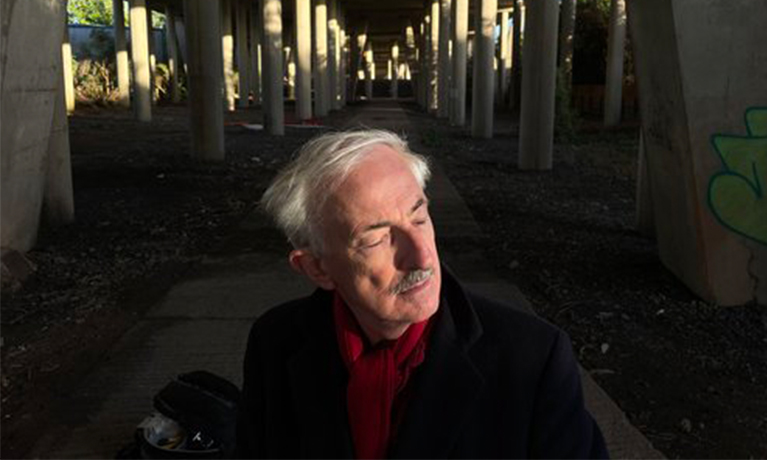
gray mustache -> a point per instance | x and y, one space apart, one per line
411 279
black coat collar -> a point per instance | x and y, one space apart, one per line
444 388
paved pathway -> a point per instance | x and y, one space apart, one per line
203 322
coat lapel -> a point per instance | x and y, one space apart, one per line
318 383
447 385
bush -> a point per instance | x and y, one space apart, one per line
94 81
566 120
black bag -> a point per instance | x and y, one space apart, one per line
196 419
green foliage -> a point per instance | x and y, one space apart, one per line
590 41
90 12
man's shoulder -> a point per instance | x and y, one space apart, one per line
510 322
292 318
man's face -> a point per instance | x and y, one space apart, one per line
380 251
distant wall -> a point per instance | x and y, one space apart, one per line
30 49
89 42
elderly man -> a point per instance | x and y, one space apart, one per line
390 356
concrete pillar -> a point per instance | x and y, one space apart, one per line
614 77
566 34
344 56
358 58
243 67
256 30
227 48
58 196
152 56
434 57
333 60
303 27
274 116
645 222
484 75
69 81
121 54
458 82
443 99
321 77
142 86
515 89
395 70
704 126
30 91
423 68
536 125
170 38
291 73
369 70
504 59
205 72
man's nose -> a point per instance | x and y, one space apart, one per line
414 249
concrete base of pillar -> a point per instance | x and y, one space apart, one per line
704 125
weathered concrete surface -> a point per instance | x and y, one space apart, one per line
227 47
460 27
243 54
29 84
274 115
321 77
702 68
121 54
443 73
303 28
206 120
142 74
484 75
614 70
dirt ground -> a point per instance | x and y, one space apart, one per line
690 375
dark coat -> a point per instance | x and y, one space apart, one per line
497 382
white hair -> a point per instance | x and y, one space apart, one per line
296 196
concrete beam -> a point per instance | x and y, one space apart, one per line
227 49
142 77
243 56
205 72
303 28
172 44
443 98
458 83
704 126
321 76
274 115
614 77
484 74
536 126
121 54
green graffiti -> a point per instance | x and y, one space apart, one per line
736 194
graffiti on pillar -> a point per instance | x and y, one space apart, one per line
737 194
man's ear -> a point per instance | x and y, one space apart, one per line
306 263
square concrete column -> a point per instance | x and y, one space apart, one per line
443 103
423 68
369 70
142 77
504 58
69 81
344 56
303 30
256 29
121 54
395 70
645 221
536 125
152 56
170 39
274 115
227 47
484 74
333 53
614 71
321 71
204 74
458 82
515 89
243 66
434 57
704 125
58 196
